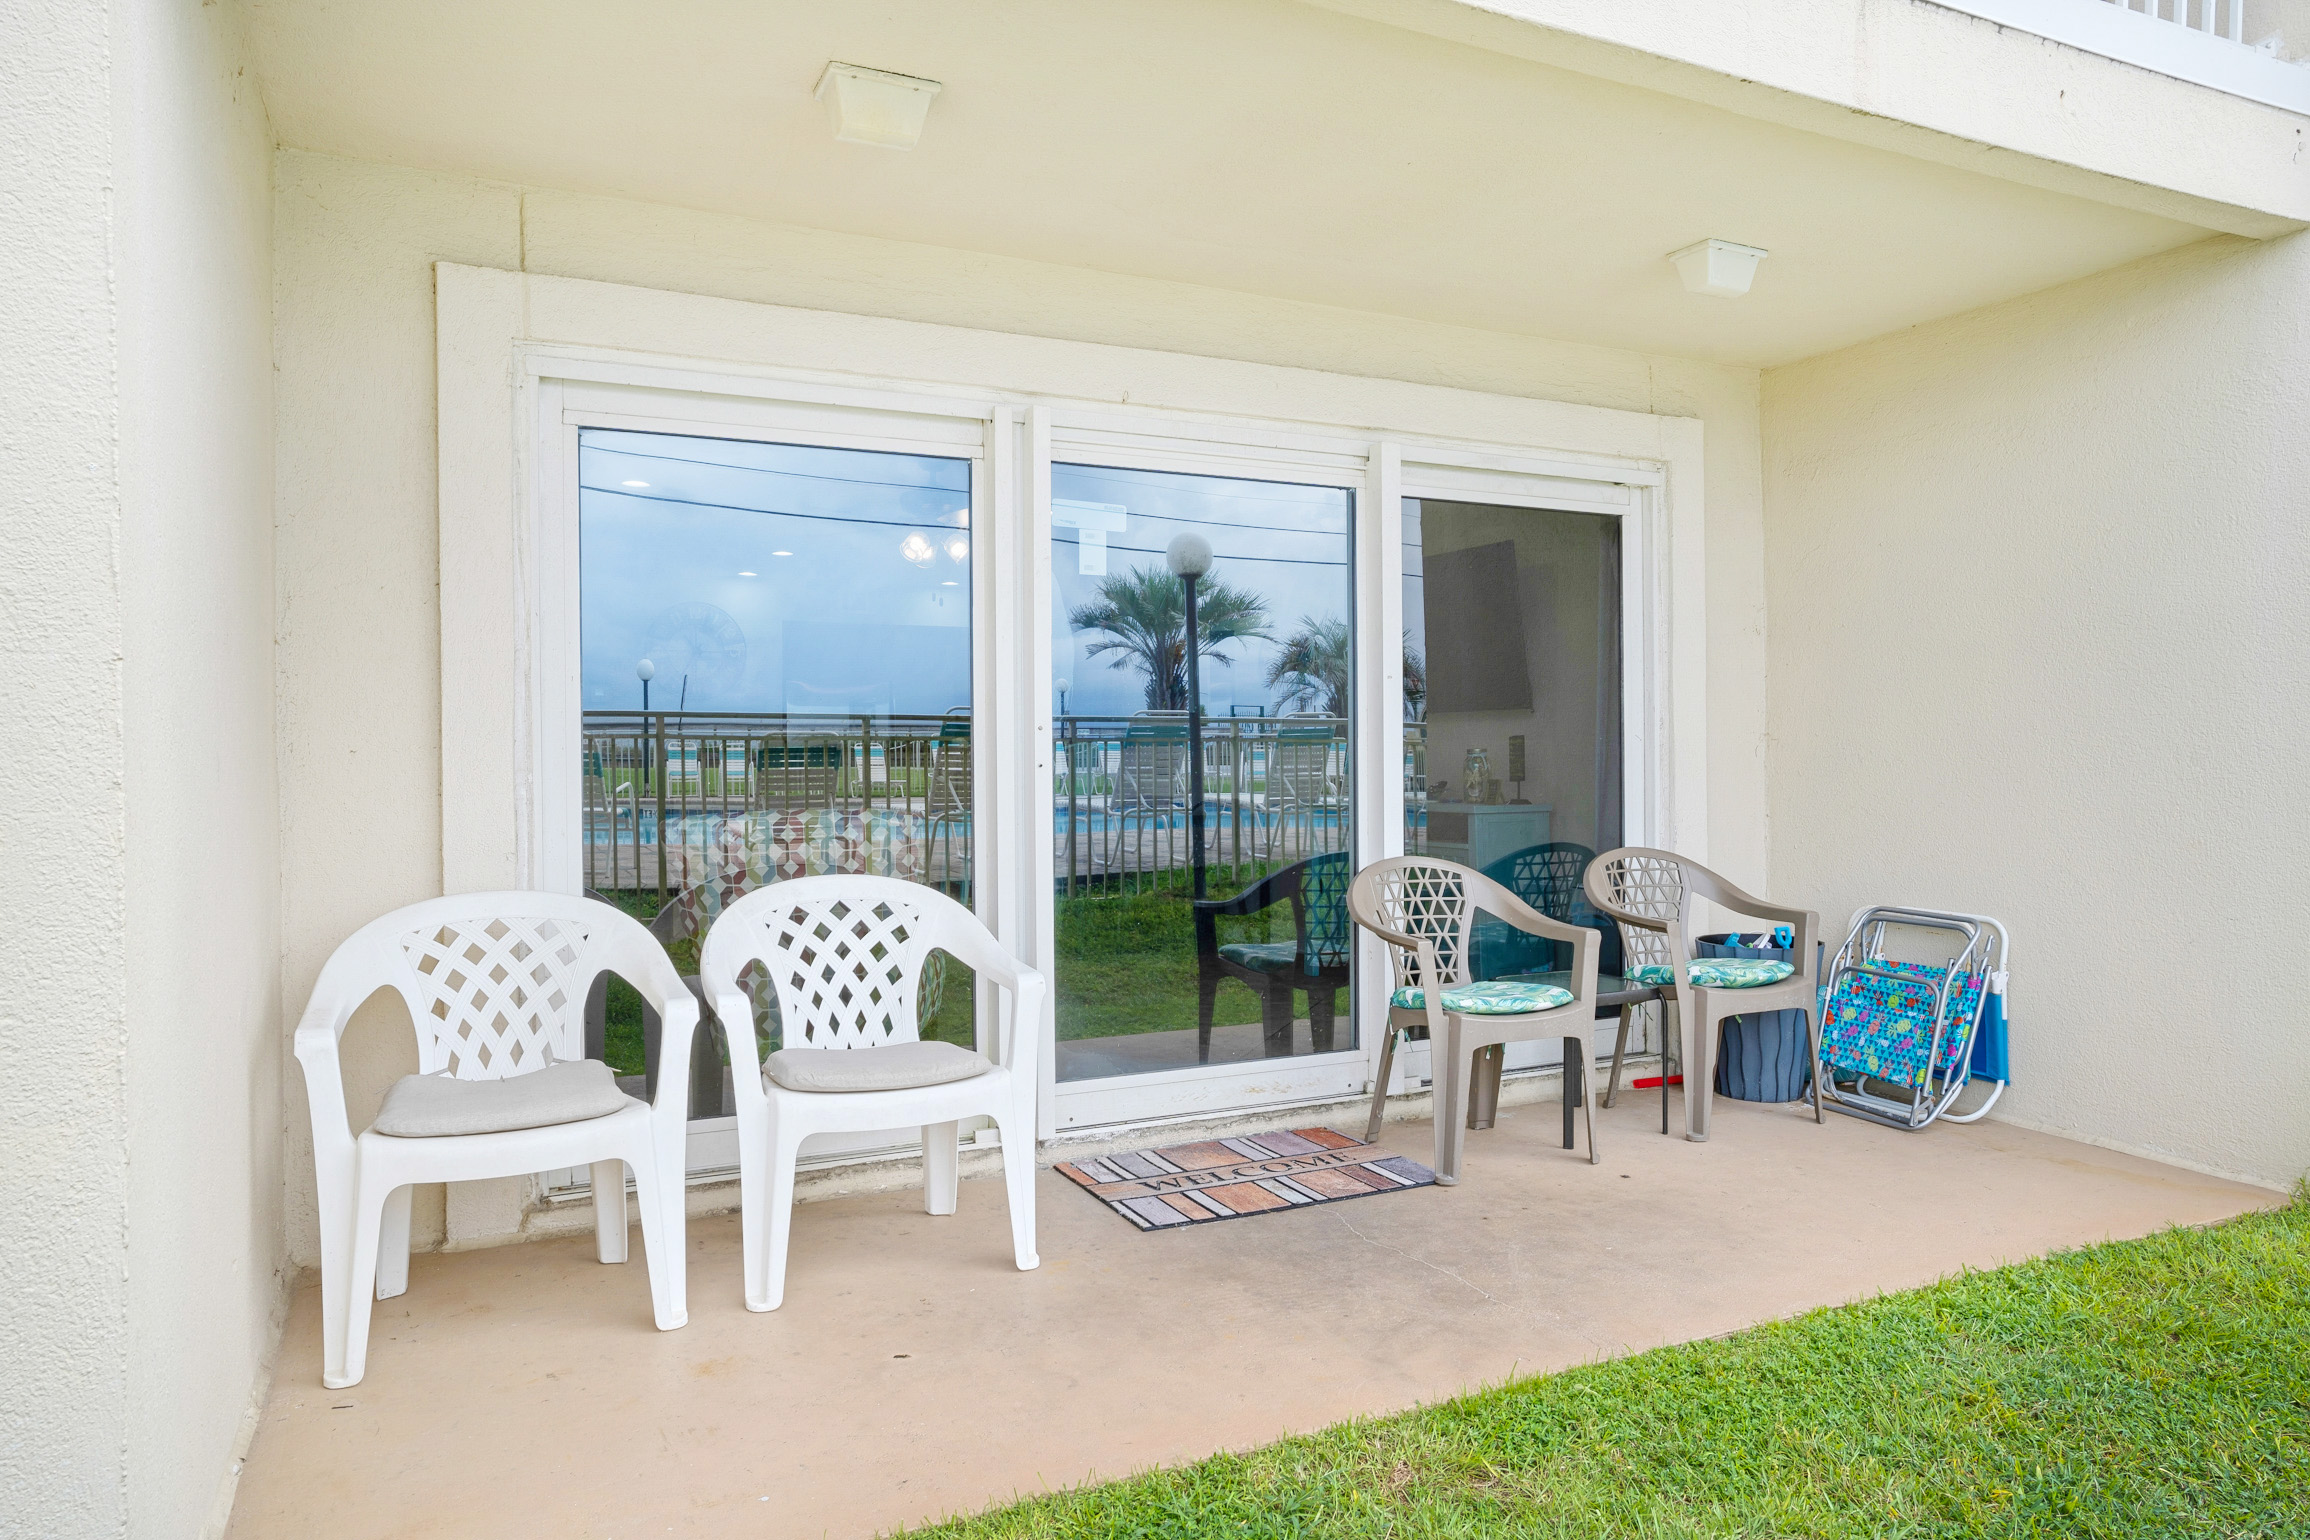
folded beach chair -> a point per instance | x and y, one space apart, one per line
1900 1040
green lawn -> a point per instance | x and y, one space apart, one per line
1127 961
2147 1388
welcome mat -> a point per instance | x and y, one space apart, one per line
1186 1184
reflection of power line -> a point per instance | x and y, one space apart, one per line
765 470
775 513
1152 550
1089 473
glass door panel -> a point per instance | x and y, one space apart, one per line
1512 684
775 653
1201 811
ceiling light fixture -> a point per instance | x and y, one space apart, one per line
1718 267
958 549
918 550
642 484
749 574
875 106
782 553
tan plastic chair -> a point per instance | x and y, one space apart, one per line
1425 909
1655 891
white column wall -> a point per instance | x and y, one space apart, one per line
2037 579
207 1277
140 1243
361 675
63 1231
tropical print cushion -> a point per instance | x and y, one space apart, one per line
1882 1026
1717 973
1501 997
1265 956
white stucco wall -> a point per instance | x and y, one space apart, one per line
360 670
206 1277
2037 581
63 1231
137 814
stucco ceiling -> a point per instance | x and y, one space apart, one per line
1256 145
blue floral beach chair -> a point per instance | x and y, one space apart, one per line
1901 1039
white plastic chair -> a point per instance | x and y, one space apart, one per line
496 986
845 955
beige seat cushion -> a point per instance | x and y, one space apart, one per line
893 1067
430 1106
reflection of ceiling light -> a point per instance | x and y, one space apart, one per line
749 574
962 516
642 484
917 550
782 553
950 584
958 549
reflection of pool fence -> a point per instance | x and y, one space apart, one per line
801 793
796 793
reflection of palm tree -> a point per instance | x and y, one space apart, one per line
1143 615
1312 669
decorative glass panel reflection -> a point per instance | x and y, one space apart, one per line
776 676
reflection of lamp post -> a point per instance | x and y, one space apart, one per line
1189 557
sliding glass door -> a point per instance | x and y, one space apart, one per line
1204 658
1514 688
803 637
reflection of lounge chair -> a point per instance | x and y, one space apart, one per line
797 771
948 798
1316 959
1302 785
1150 781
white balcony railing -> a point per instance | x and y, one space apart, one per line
2205 42
2215 18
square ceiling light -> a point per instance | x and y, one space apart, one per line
875 106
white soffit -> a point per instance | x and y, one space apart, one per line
1253 145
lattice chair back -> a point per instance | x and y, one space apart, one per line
845 955
1627 882
1427 902
495 983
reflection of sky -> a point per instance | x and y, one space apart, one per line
833 616
1287 544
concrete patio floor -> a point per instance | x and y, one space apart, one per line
913 1372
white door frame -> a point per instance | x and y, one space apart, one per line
513 347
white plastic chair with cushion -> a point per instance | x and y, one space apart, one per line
496 985
1658 891
846 956
1425 909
